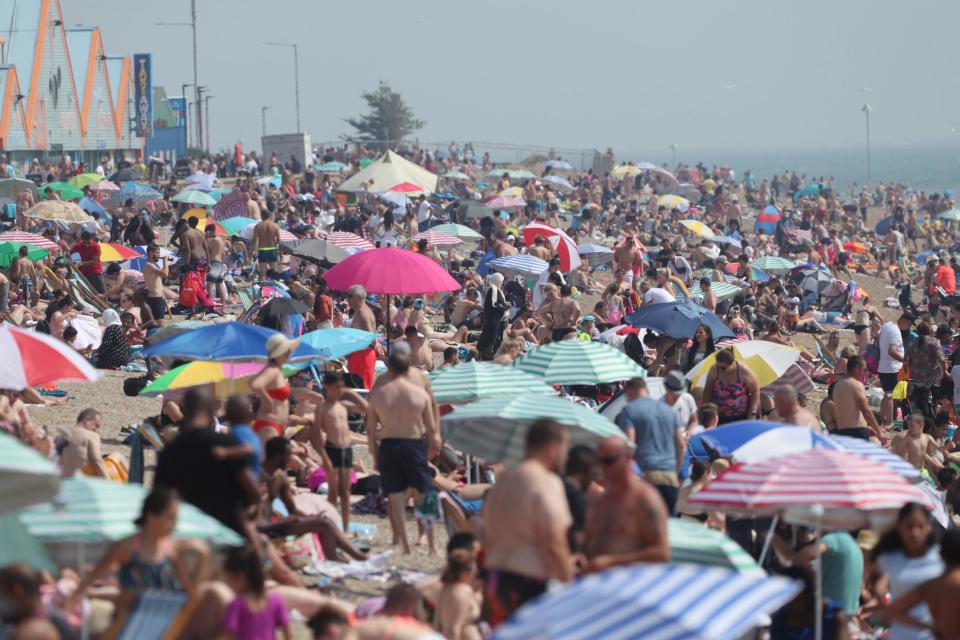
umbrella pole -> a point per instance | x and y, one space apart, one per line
818 576
386 323
768 539
468 462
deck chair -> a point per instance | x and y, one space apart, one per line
453 516
158 615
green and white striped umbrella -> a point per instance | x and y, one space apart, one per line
195 197
95 510
693 543
723 291
26 477
495 429
473 380
773 264
579 362
461 231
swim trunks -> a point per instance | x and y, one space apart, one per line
340 457
217 272
403 465
267 255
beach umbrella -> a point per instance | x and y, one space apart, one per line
436 238
952 215
698 228
347 240
210 222
331 167
755 274
495 429
230 205
227 377
772 264
558 183
58 210
522 265
473 209
884 225
733 242
839 489
224 341
754 440
498 202
338 341
26 476
247 234
674 202
92 206
663 601
722 290
693 543
126 174
276 180
398 200
20 547
236 224
12 187
104 186
879 454
201 180
456 175
10 251
319 250
512 192
812 189
116 252
85 180
563 245
135 191
558 165
767 360
625 170
595 254
91 510
678 319
578 362
391 271
469 381
458 230
406 187
193 197
513 174
816 281
25 237
855 247
34 359
767 220
275 307
64 190
175 328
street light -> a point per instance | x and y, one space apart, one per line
674 147
866 111
206 100
193 26
200 91
263 120
186 129
296 73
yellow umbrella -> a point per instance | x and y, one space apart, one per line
197 213
698 228
512 192
626 170
673 202
767 360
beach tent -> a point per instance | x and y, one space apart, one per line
767 220
389 170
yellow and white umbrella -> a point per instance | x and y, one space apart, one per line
625 170
671 201
512 192
767 360
698 228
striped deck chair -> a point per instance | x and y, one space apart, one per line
246 296
158 615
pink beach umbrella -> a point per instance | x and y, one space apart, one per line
391 271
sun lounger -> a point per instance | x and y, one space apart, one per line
158 615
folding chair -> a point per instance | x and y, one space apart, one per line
158 615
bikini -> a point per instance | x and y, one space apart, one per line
280 394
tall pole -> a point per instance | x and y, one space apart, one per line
674 147
206 100
263 120
186 111
296 73
196 81
866 111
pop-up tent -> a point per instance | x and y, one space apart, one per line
389 170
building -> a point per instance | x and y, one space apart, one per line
60 93
168 138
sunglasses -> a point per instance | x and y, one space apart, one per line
608 460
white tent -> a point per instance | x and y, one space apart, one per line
388 171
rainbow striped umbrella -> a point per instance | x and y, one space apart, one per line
227 377
115 252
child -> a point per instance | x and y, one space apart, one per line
254 614
70 337
131 332
915 446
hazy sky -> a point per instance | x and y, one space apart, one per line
634 75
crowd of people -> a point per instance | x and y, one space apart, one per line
879 368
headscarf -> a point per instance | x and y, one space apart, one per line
110 318
494 282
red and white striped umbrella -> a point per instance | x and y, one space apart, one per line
347 240
29 238
847 487
285 236
32 359
563 245
437 239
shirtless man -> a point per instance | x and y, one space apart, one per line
153 278
422 348
24 273
463 307
627 257
216 246
940 594
193 245
330 436
362 362
854 417
403 410
266 244
565 314
787 409
501 247
628 522
539 250
709 301
916 447
526 519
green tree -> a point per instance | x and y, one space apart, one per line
389 121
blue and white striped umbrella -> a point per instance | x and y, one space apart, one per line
663 601
521 265
753 440
876 452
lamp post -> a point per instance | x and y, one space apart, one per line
186 129
206 100
296 73
673 148
866 112
193 26
199 103
263 120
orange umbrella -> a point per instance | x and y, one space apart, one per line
855 247
114 252
217 227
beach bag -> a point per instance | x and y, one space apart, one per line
190 290
900 391
133 386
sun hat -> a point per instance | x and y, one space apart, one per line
279 344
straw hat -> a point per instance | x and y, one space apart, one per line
279 344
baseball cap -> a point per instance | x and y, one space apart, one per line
673 381
587 319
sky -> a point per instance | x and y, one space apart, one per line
628 74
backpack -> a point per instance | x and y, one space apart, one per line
190 289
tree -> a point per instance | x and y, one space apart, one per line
389 121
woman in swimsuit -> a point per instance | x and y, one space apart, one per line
733 388
459 604
270 385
